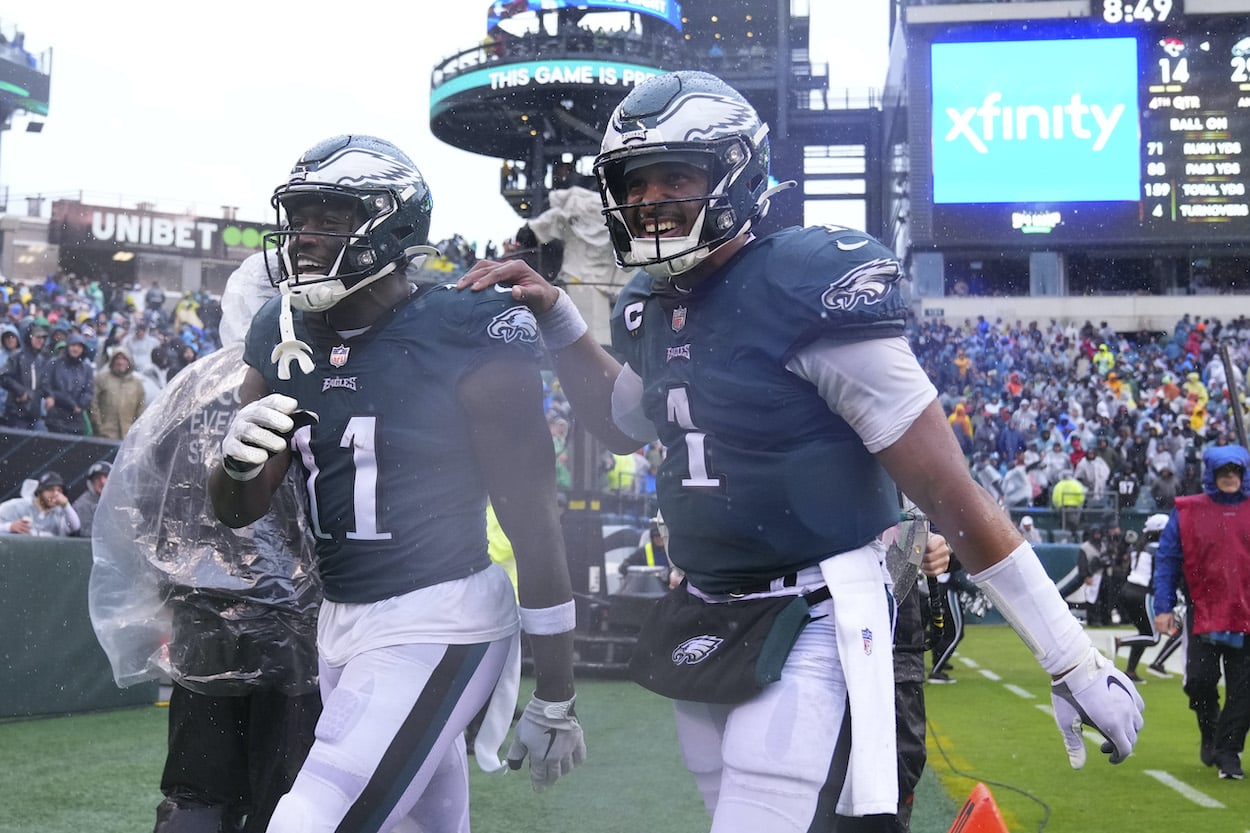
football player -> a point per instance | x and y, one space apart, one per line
404 406
776 372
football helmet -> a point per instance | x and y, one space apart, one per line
696 118
388 192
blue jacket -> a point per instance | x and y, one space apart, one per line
71 383
1168 570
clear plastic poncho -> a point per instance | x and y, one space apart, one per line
176 593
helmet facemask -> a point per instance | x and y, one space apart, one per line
365 254
694 116
723 161
390 216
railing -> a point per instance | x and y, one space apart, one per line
658 52
10 202
810 81
14 49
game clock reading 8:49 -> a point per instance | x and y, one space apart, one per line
1127 11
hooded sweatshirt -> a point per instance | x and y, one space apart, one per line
71 385
119 397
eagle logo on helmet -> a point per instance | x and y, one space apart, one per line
866 284
356 167
719 115
696 649
514 324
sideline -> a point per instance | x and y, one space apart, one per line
1168 780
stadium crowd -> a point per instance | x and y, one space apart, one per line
81 357
1127 415
101 394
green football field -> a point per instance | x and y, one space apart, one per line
99 772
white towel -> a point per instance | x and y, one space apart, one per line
863 613
498 719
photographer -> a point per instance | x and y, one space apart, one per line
1117 563
1090 565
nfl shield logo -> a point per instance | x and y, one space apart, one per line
679 319
866 635
338 356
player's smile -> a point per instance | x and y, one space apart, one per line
308 265
668 226
667 198
324 224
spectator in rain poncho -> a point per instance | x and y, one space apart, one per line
229 615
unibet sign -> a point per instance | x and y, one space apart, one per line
185 234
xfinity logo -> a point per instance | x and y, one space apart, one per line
1035 122
994 121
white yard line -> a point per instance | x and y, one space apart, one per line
1199 798
1020 692
1165 778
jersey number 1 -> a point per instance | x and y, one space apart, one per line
359 436
696 455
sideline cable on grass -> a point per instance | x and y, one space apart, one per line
954 769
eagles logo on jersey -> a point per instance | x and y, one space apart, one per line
867 283
514 324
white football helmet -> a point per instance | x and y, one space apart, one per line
699 119
391 194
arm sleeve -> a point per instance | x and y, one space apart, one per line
627 406
876 385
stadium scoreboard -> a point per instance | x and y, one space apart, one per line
1131 126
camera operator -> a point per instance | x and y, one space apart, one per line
1091 564
1117 561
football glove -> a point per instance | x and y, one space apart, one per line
258 431
1097 694
552 738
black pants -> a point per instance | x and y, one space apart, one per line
947 638
1135 603
231 758
1225 727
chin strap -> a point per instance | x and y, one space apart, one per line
290 349
772 192
417 255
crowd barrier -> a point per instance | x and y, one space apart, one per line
28 454
1052 526
50 661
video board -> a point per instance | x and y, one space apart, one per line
1112 129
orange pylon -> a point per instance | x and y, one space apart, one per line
979 814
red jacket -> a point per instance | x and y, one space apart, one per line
1216 542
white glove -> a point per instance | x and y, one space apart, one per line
1097 694
550 734
259 431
